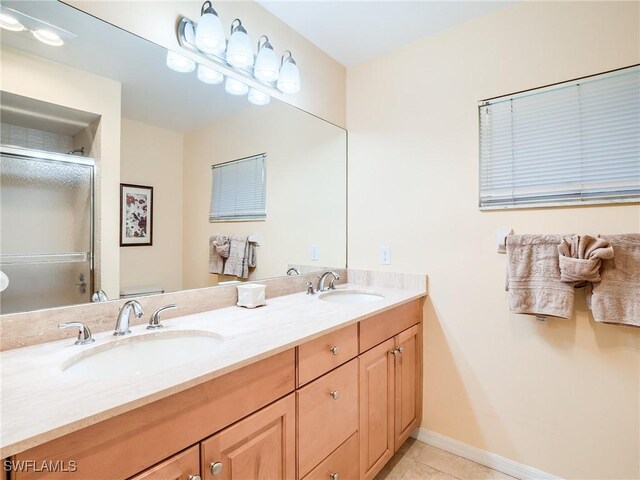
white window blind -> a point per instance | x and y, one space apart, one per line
238 190
573 143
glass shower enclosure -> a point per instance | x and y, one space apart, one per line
46 229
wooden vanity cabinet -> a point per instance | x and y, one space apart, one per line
182 466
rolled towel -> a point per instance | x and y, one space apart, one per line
581 258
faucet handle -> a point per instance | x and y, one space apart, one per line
154 320
310 290
84 334
332 281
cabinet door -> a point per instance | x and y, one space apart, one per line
260 447
407 384
183 466
376 408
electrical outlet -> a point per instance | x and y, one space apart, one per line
315 253
385 255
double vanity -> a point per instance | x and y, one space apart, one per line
323 386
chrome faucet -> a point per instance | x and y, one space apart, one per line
84 334
122 325
323 278
293 271
154 321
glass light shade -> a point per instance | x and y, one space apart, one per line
239 50
48 37
257 97
209 75
235 87
210 34
9 23
179 63
266 67
289 80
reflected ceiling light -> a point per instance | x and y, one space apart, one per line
266 67
235 87
209 75
289 80
10 23
179 63
257 97
209 31
239 50
48 37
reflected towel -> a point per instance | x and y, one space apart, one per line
580 259
533 276
616 298
218 251
240 257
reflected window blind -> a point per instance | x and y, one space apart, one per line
573 143
238 190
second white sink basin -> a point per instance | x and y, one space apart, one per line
143 354
350 296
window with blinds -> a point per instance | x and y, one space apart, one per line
238 190
572 143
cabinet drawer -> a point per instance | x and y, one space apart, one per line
323 354
379 328
342 464
327 415
179 467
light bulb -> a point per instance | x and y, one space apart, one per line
209 31
289 80
239 50
179 63
48 37
266 67
10 23
209 75
257 97
235 87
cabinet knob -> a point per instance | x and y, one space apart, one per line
400 349
216 468
194 477
335 394
335 350
334 476
395 352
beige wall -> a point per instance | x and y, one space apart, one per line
562 396
323 79
43 80
153 156
306 197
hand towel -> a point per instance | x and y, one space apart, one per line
533 276
581 257
616 298
238 262
218 251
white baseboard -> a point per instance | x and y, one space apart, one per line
488 459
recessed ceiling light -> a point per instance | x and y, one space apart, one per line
10 23
48 37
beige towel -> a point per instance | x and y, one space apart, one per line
241 257
616 298
580 259
533 276
218 252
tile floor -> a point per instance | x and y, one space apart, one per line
418 461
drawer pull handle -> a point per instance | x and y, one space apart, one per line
216 468
335 394
194 477
334 476
335 350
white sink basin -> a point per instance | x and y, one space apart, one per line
144 354
350 296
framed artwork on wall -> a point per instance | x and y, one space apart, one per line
136 215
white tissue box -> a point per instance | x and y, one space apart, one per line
251 295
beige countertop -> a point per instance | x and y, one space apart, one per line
40 402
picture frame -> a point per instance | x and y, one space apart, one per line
136 215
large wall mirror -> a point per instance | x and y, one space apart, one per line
102 145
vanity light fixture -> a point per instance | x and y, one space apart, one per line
239 50
266 67
235 87
257 97
179 63
48 37
9 22
210 32
209 75
289 80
